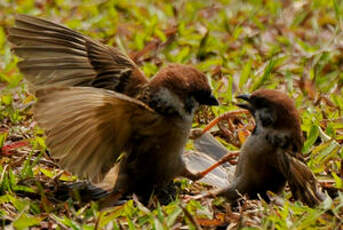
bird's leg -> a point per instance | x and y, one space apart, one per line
224 116
229 157
231 193
192 176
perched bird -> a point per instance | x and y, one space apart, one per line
103 119
271 155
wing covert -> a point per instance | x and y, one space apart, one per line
88 128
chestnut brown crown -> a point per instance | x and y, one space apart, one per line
185 81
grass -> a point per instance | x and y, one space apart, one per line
294 46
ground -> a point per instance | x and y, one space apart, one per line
294 46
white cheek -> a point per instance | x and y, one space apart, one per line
171 99
165 95
174 101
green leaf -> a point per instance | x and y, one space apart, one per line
245 74
23 188
338 181
67 222
131 224
229 89
266 75
48 173
337 10
27 168
6 99
171 218
183 55
24 221
311 139
3 137
2 37
19 203
157 224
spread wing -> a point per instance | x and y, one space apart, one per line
55 55
208 152
88 128
301 180
196 161
208 144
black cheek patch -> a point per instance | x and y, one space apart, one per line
266 117
280 141
189 105
266 121
162 107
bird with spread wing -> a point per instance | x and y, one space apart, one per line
103 119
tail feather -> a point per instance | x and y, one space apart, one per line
81 190
301 180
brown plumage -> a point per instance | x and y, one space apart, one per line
95 105
54 55
271 155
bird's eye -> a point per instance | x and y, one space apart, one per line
260 103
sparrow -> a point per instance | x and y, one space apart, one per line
103 119
271 155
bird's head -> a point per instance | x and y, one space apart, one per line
273 109
181 88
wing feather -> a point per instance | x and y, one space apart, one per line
54 55
88 128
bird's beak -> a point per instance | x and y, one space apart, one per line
207 99
211 100
245 97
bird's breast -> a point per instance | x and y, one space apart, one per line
257 146
255 149
157 158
